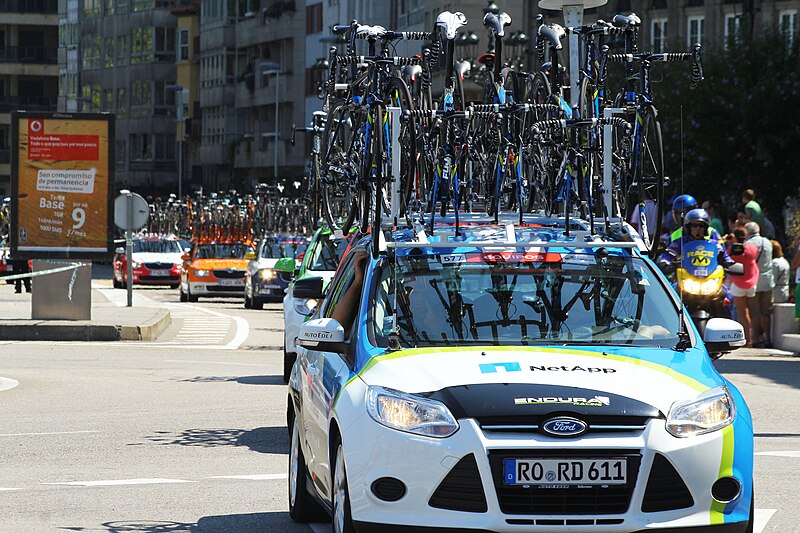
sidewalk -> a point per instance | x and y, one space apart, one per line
111 320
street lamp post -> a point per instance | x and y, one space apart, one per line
272 68
180 94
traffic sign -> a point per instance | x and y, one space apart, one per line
140 211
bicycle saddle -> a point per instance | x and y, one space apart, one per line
462 68
497 23
625 21
553 33
451 22
370 32
486 59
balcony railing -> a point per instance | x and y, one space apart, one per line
28 103
29 6
29 54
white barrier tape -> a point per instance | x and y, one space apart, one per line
72 266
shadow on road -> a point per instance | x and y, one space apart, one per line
244 380
237 523
262 440
781 371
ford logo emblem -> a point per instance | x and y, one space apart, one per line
564 427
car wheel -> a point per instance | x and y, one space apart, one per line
342 518
189 296
751 523
257 304
302 507
288 362
173 286
248 303
183 295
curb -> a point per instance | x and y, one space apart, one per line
58 332
148 331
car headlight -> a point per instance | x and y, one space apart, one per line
711 411
266 274
304 306
413 414
202 273
136 264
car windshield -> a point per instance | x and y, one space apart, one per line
327 253
499 299
279 249
156 246
222 251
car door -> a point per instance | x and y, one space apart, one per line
322 374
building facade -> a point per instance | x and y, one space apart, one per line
29 72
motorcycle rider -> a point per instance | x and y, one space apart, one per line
680 209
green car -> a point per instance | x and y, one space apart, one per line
321 260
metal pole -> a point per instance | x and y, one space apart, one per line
394 113
573 17
180 143
277 113
129 247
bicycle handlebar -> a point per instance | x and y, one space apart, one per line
616 122
397 60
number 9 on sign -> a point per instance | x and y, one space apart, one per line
79 216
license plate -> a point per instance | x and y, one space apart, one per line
232 282
558 473
159 272
270 286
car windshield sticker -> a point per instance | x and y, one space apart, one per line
491 368
596 401
578 259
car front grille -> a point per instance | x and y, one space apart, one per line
159 278
533 423
592 500
225 288
228 274
159 266
665 490
461 489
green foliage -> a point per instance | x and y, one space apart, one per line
740 128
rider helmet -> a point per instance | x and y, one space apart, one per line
681 206
697 215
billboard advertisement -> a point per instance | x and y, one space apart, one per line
62 181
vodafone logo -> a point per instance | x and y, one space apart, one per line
36 126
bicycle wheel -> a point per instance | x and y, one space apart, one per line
340 167
649 175
623 191
376 178
398 94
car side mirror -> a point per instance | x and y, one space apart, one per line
120 250
323 334
308 288
723 335
250 255
285 264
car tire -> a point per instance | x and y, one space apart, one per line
257 304
189 296
342 517
184 298
248 303
302 507
751 523
288 362
173 286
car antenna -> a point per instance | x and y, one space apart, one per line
684 342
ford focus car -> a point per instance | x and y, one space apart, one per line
514 379
271 268
156 261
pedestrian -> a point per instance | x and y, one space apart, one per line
743 287
780 272
752 208
762 315
711 209
21 267
796 266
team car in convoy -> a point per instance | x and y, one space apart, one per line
504 378
321 259
213 269
156 261
270 270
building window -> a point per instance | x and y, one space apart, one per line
788 23
142 45
732 27
92 8
313 81
122 50
165 43
658 35
165 147
141 147
122 7
142 98
695 28
122 102
183 45
109 59
119 154
143 5
313 19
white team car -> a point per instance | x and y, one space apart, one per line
523 388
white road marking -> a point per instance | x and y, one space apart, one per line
116 482
214 362
7 489
7 383
255 477
762 518
47 433
788 453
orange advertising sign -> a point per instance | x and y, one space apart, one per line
62 181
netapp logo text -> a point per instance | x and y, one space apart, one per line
565 368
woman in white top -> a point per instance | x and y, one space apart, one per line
780 272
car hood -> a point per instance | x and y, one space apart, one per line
264 262
499 380
219 264
152 257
